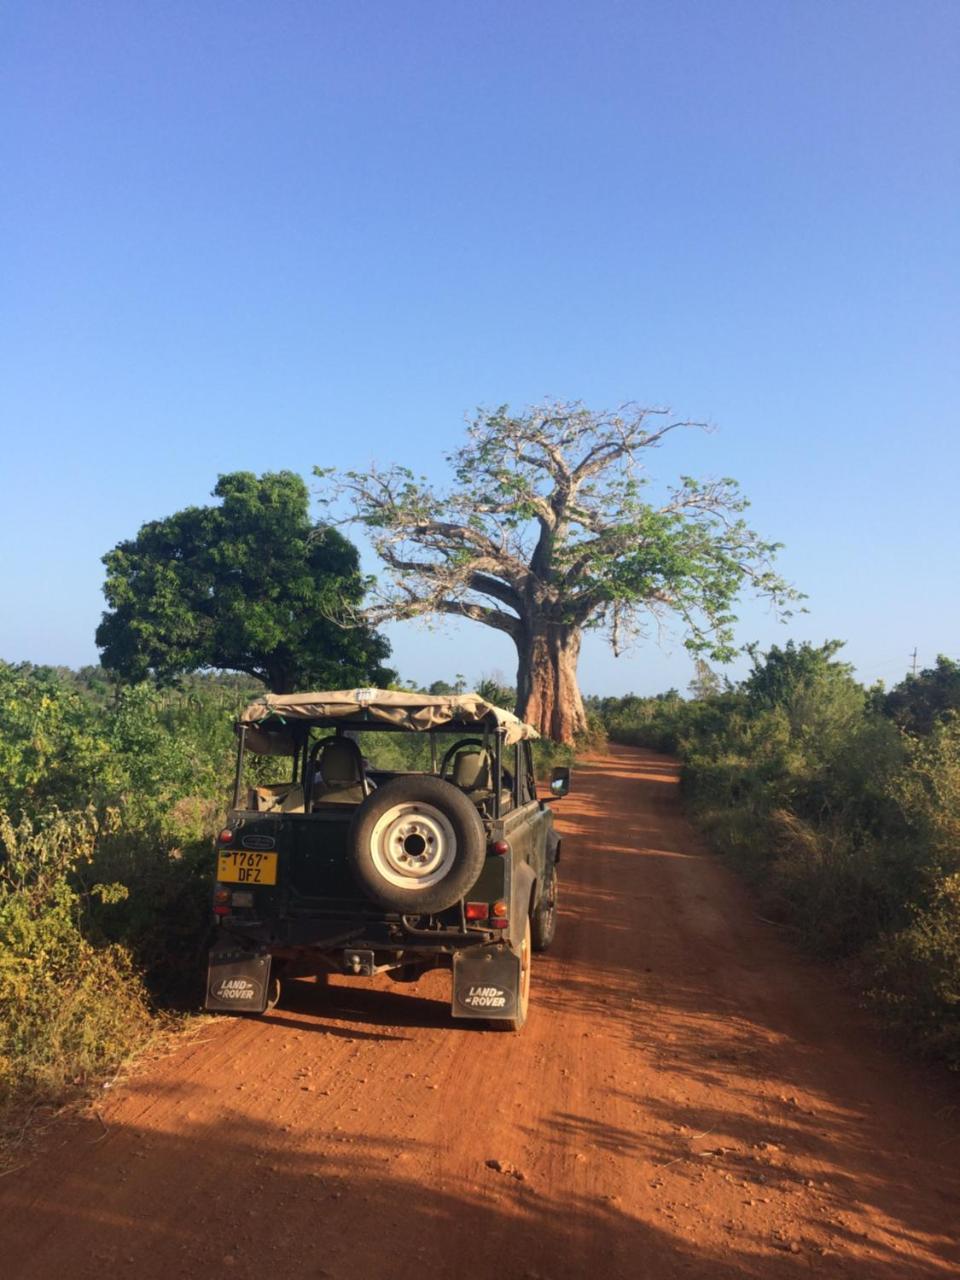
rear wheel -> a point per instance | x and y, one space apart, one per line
274 990
544 926
516 1023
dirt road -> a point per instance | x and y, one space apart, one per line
688 1099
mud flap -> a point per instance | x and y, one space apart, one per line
486 983
238 981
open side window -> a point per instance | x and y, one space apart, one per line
525 783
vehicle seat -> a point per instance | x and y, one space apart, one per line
341 777
472 771
277 797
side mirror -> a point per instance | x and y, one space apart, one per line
560 782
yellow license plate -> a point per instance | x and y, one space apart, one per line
245 866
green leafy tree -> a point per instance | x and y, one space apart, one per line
818 695
549 529
251 585
920 701
441 689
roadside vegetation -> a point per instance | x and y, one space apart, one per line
110 797
842 804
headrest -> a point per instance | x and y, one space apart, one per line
471 771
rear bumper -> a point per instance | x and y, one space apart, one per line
486 980
300 935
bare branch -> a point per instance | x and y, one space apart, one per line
632 439
498 590
477 613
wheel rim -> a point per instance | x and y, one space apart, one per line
413 846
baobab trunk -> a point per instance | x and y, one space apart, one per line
548 696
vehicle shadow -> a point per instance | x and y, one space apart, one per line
293 1202
391 1007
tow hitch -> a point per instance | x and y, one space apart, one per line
360 963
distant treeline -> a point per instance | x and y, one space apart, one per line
843 804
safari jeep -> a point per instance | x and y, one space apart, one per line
353 869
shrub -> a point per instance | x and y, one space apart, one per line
848 826
68 1010
916 975
52 750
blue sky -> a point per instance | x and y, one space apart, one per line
239 235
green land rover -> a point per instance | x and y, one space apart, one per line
447 861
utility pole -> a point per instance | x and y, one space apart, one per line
914 656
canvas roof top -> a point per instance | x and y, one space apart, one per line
268 717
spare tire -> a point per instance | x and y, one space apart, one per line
416 845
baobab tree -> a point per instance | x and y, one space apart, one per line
547 530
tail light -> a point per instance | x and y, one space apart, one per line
498 915
476 910
221 901
225 836
500 846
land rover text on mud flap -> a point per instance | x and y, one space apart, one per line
353 869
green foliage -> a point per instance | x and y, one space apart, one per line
928 794
547 754
849 828
52 749
916 974
162 762
493 688
69 1010
919 702
251 585
111 798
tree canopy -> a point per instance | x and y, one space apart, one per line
921 701
548 528
249 585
